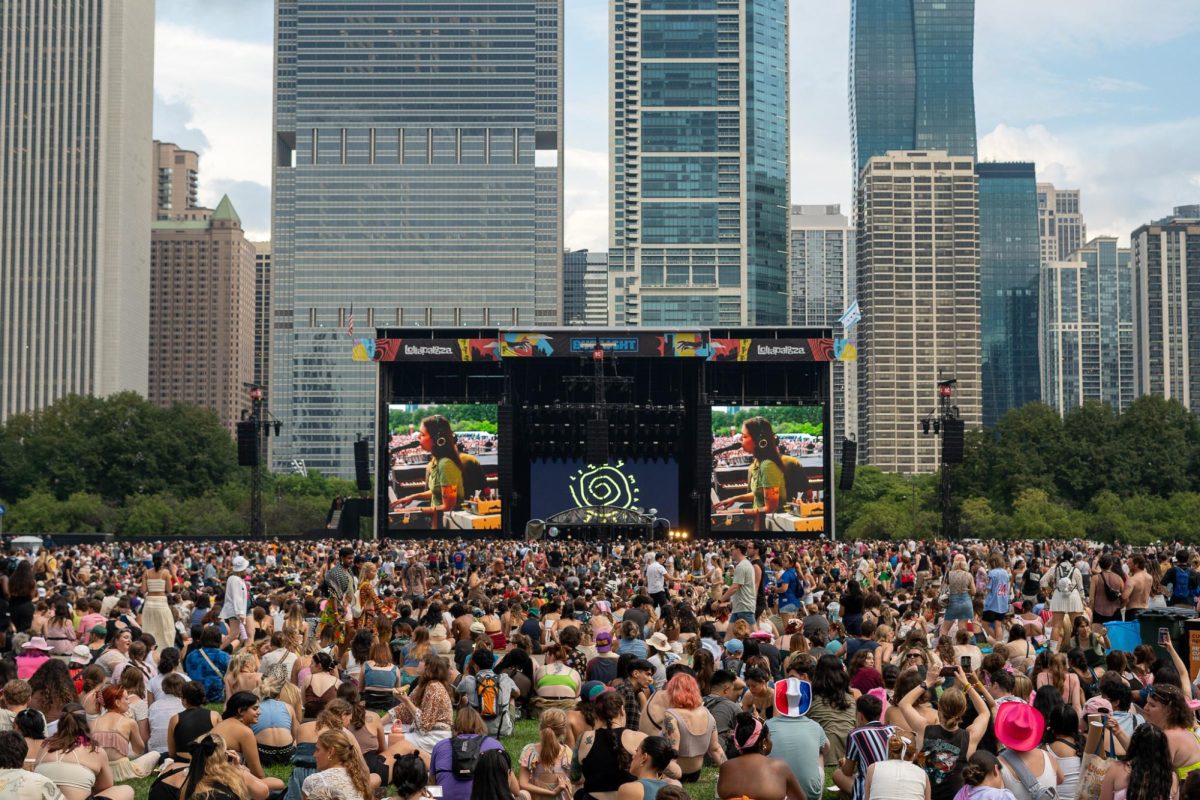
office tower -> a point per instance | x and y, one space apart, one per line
202 313
1087 327
1166 306
417 181
1009 270
918 288
76 92
821 245
574 295
1060 223
911 77
177 178
595 287
262 313
699 163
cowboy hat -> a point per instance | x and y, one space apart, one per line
37 643
1019 726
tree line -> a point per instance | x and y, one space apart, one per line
1094 473
123 465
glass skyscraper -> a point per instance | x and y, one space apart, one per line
416 182
1009 266
911 77
699 162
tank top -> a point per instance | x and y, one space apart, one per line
945 756
272 714
692 744
601 772
650 787
193 723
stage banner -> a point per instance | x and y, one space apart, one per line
782 350
436 350
680 344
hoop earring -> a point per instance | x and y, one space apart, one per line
441 441
762 443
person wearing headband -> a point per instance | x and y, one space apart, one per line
903 779
750 772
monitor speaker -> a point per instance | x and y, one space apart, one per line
362 465
849 462
952 440
247 444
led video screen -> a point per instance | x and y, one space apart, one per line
443 462
768 469
634 483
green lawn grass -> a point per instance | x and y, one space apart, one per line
526 731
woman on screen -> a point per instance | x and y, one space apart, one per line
765 473
443 476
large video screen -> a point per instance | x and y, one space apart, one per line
768 469
647 484
443 468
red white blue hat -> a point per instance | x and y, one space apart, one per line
793 697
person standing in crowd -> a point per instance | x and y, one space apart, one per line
1136 595
741 593
237 600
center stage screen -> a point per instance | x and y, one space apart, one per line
637 483
768 469
443 468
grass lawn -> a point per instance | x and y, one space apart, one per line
526 731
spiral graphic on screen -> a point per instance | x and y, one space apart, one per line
604 485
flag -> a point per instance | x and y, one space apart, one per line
350 327
851 317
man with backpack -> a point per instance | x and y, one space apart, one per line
490 693
1107 588
1182 581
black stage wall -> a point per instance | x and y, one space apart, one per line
655 391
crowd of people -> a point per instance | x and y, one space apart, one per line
893 670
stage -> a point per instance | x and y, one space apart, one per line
715 432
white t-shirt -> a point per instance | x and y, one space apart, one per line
655 577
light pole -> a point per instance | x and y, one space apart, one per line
262 423
936 422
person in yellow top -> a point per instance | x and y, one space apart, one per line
765 472
443 476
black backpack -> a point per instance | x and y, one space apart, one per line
465 750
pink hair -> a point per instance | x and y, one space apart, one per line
683 691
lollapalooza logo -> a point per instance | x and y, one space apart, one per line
604 485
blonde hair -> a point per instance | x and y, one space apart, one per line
1058 673
345 755
269 688
240 659
213 770
1022 686
553 732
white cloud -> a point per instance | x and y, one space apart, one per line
1107 83
226 85
585 199
1075 26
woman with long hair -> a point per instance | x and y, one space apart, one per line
242 674
118 734
1065 585
649 767
960 588
51 689
242 712
1065 744
342 774
418 650
157 618
832 704
134 684
766 473
606 752
60 630
335 716
494 778
367 730
545 765
1166 708
906 681
212 775
1146 772
469 730
1064 681
749 771
896 776
864 675
320 686
1019 651
76 765
444 474
946 745
427 712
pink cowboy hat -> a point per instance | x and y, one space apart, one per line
1019 726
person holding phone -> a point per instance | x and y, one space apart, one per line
946 746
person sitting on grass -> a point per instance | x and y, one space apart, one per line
342 774
749 772
212 774
76 765
236 728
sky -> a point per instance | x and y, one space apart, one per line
1099 94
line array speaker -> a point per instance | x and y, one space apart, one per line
362 464
952 440
247 444
849 463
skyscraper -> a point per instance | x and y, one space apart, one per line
262 313
417 181
202 312
821 246
176 183
918 288
699 163
911 77
1009 269
1087 327
595 287
1166 306
76 92
574 295
1060 222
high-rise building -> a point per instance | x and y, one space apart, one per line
918 288
1087 327
262 313
821 246
176 182
595 287
1166 306
1060 222
417 181
574 294
202 313
699 163
1009 270
76 93
911 77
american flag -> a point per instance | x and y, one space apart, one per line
350 326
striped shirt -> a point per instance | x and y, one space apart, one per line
865 746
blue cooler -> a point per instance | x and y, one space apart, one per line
1123 635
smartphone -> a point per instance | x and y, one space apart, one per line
922 672
1164 635
965 662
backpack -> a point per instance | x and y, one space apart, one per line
1033 581
1064 583
1109 592
465 755
1029 783
1183 583
487 689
